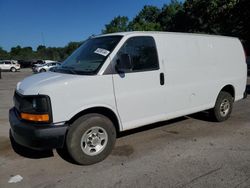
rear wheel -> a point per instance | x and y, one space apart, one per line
223 107
13 69
90 139
42 70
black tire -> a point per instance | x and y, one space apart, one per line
13 69
64 154
42 70
78 143
218 113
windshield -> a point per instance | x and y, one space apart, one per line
90 56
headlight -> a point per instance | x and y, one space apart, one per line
35 108
36 104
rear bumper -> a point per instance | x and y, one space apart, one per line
35 136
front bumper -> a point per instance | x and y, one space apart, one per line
35 70
36 136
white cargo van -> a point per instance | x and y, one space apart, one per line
121 81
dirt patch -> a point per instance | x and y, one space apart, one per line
3 120
125 150
173 132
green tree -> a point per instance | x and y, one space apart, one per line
237 23
3 54
169 16
208 16
15 52
118 24
40 52
40 48
26 53
224 17
72 46
146 20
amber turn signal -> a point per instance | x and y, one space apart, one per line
35 117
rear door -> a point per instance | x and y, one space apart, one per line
7 65
139 91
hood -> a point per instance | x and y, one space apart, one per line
38 83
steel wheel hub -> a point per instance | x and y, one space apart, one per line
94 140
224 107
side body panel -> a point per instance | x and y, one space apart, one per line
76 96
139 96
6 66
71 94
196 68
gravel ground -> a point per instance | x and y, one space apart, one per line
185 152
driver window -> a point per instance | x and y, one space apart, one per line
142 53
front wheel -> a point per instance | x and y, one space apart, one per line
223 107
90 139
13 69
42 70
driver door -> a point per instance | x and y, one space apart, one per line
139 89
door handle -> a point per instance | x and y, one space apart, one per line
162 79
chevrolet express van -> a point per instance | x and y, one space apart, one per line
121 81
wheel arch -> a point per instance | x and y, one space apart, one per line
12 68
230 89
100 110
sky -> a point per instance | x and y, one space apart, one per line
55 23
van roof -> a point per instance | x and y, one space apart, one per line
160 32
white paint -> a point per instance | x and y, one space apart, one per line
15 179
8 64
196 68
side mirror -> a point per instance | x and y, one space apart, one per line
123 64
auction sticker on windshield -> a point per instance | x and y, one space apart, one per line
102 51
